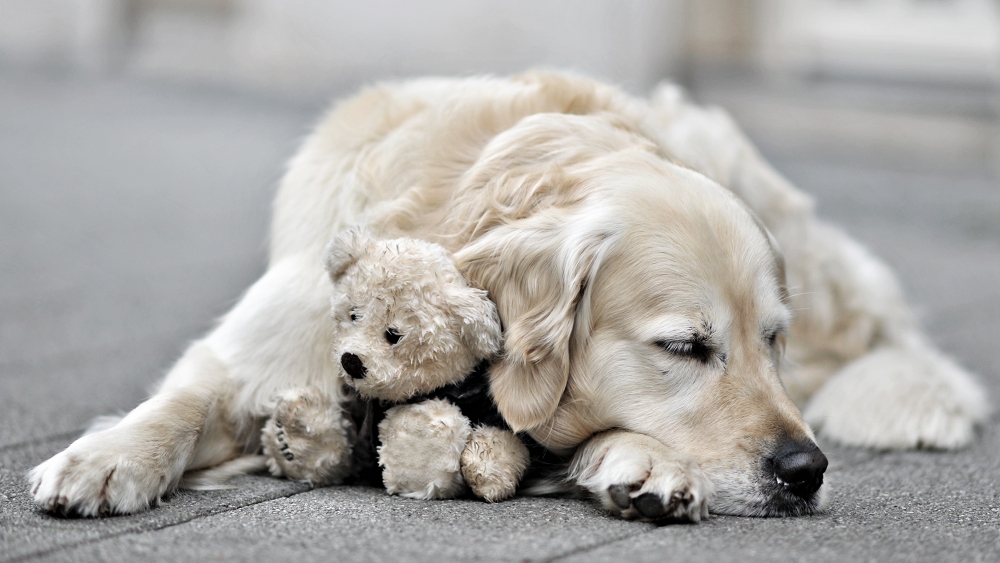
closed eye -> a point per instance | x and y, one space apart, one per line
775 337
693 349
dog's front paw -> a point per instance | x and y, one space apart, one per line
641 479
897 398
421 449
493 463
100 474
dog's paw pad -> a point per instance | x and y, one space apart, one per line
650 505
619 495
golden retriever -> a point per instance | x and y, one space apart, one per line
646 264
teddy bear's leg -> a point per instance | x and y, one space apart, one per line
421 448
308 438
493 463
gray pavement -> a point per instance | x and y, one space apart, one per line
132 214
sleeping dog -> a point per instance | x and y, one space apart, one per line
645 262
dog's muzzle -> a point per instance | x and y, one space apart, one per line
799 467
354 366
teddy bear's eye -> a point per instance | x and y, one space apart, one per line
392 336
354 315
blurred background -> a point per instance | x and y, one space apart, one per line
141 142
906 79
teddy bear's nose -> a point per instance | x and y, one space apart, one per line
353 365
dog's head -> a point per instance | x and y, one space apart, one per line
650 300
406 321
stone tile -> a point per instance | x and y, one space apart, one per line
27 533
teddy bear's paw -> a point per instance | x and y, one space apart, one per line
493 463
308 439
103 473
639 478
421 449
893 398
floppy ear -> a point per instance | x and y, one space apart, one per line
779 257
535 269
480 327
345 249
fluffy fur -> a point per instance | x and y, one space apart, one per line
632 249
404 316
422 448
407 323
430 450
308 438
493 462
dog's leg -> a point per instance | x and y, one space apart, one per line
860 363
276 338
127 468
640 478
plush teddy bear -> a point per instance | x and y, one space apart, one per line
410 334
308 438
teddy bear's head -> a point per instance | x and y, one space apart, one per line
406 320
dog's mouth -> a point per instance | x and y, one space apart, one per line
787 483
765 498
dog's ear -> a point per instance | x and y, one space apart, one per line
779 257
345 249
536 270
480 322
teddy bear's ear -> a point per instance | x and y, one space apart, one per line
480 326
345 249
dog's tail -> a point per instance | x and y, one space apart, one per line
214 478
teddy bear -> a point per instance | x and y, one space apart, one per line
412 340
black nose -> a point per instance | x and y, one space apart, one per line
353 365
799 467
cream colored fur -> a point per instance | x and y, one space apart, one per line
410 287
493 462
410 324
623 467
421 449
429 450
308 438
613 233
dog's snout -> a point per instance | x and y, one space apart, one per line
799 467
353 365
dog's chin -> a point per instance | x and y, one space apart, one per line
759 496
